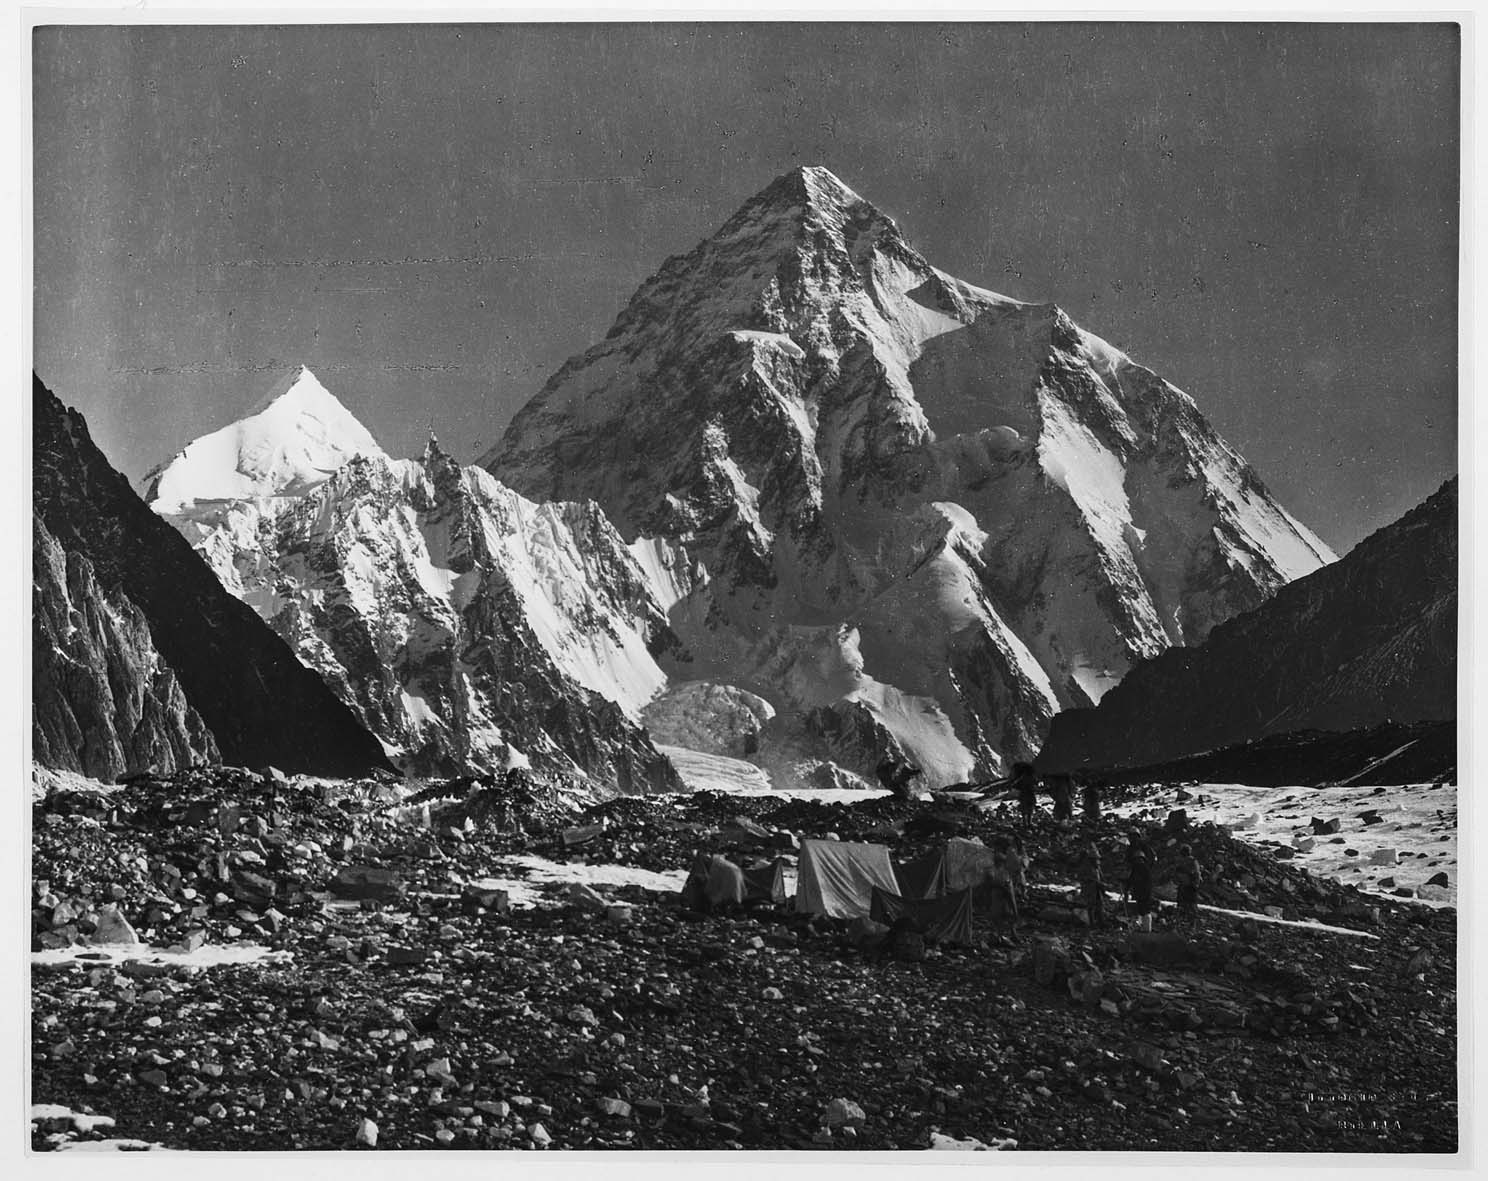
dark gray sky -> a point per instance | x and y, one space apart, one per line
434 217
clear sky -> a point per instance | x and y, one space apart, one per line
435 217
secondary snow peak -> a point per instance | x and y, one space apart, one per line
291 441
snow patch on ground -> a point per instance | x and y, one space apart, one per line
209 955
1418 823
543 882
81 1122
112 1146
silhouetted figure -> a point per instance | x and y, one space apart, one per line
1062 791
1139 882
1015 868
1090 801
1187 873
1025 784
1093 886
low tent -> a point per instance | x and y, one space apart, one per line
943 920
713 881
765 882
957 865
925 876
836 878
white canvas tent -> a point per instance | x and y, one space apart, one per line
836 878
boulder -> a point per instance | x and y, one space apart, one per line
113 927
486 898
1051 962
843 1111
1158 947
368 882
581 834
586 898
864 933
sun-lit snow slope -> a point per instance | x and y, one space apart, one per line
1001 510
289 443
1415 839
462 621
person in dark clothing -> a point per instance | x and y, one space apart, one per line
1014 861
1062 790
1093 886
1090 801
1187 873
1025 784
1139 882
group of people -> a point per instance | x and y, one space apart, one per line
1025 782
1140 869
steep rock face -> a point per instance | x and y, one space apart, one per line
901 495
103 701
1369 640
468 627
259 703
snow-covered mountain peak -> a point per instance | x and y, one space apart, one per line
810 186
289 443
1002 508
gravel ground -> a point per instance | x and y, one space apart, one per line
444 1023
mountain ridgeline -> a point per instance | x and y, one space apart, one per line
920 518
812 503
469 628
1367 641
140 658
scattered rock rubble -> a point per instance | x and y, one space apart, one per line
414 1008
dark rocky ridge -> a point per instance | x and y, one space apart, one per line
259 702
1369 640
104 703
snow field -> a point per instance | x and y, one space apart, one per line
1415 839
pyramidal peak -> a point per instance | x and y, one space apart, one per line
300 388
290 442
812 184
813 193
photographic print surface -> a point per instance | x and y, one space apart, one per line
745 586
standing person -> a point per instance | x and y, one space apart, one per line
1001 883
1139 881
1025 783
1188 873
1014 870
1062 789
1093 886
1090 800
